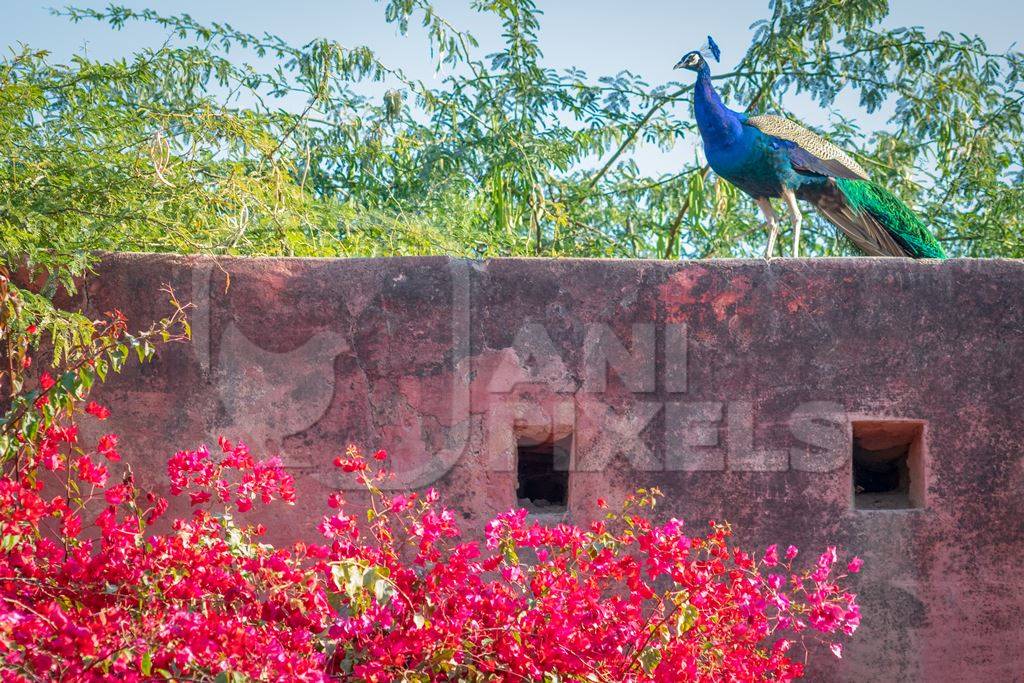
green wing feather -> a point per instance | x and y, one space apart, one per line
902 224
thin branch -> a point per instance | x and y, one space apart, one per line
673 230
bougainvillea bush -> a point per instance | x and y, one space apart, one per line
95 585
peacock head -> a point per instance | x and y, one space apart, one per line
695 59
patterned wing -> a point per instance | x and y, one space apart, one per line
808 151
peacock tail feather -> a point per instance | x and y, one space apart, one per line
878 206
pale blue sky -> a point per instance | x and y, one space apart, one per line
599 36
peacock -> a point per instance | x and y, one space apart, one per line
770 157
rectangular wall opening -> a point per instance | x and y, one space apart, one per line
543 475
888 464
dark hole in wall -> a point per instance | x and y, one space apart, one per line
887 467
543 475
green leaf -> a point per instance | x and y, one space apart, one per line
383 591
68 381
687 618
649 659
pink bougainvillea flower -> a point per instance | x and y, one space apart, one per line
351 464
72 526
115 495
106 519
199 497
107 447
90 472
101 412
394 589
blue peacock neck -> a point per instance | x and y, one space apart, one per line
719 126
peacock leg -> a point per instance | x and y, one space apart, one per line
795 216
772 219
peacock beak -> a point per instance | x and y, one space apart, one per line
679 65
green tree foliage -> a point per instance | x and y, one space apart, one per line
226 142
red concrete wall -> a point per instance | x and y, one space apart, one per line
733 387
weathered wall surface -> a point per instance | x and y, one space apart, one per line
733 387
